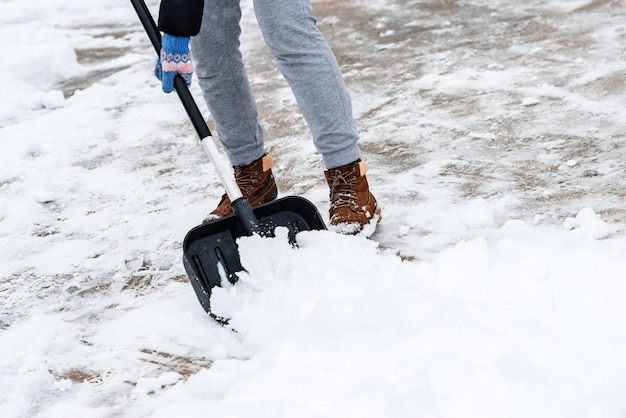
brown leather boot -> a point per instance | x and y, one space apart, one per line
256 182
352 206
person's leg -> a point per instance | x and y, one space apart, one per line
310 68
224 82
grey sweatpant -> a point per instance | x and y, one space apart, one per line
305 60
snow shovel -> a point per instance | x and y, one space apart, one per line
210 253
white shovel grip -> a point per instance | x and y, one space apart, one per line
223 168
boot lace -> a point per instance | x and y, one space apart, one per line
342 191
246 179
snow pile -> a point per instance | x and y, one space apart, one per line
38 42
31 70
527 322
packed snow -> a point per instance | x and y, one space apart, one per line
494 286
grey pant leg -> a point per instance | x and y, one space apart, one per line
224 82
309 66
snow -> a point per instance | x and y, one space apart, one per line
494 286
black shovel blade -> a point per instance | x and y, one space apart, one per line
210 250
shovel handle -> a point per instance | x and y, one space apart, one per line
240 205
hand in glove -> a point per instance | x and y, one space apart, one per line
175 59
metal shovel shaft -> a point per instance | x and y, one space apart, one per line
221 166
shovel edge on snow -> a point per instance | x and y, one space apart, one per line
210 251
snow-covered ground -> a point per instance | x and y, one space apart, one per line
494 287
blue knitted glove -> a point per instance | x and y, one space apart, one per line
175 59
